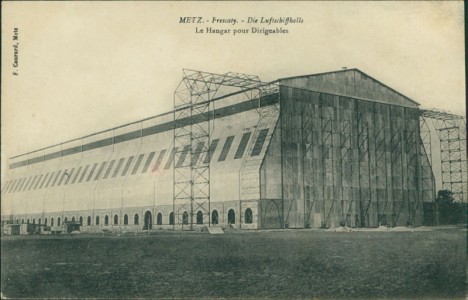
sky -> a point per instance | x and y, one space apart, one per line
85 67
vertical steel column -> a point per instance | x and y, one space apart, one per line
353 154
327 147
346 158
364 165
287 168
396 167
307 158
412 149
380 163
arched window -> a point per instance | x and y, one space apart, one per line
81 220
214 217
97 220
171 218
22 221
106 220
39 222
73 219
159 219
17 221
136 219
248 216
231 217
185 218
45 221
148 221
34 220
89 221
27 221
199 217
65 220
51 221
126 219
58 221
116 220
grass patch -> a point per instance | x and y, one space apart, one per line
293 264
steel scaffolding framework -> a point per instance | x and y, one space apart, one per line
364 169
347 162
412 179
194 101
381 181
427 179
451 133
328 159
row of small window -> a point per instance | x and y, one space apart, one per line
38 181
231 216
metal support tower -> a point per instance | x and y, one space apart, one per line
194 101
451 131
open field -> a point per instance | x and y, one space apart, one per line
277 264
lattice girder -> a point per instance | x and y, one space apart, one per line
451 133
193 105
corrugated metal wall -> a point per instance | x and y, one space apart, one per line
349 162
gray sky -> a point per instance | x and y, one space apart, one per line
89 66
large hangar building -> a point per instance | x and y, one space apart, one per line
321 150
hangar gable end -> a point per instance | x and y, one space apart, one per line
352 83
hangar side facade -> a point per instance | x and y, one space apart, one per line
328 149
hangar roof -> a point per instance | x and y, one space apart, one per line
351 83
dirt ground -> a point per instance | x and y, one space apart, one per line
261 264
